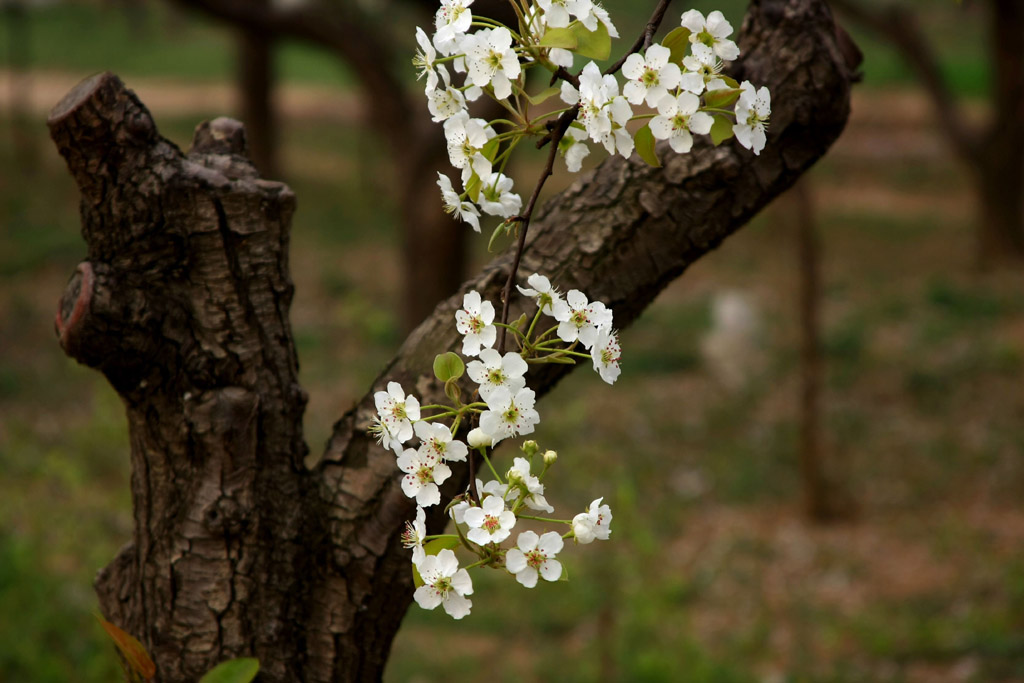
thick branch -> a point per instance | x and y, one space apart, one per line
621 234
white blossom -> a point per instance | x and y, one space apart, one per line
509 414
453 204
605 354
593 523
424 471
548 298
489 523
535 555
594 93
601 14
496 196
443 103
583 319
650 76
414 534
713 33
700 69
491 60
395 414
466 139
424 59
557 12
573 148
474 321
752 111
530 486
677 118
437 438
451 22
493 371
444 584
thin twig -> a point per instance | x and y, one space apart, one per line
524 219
644 40
554 137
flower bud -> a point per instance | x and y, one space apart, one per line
550 457
530 448
478 438
515 478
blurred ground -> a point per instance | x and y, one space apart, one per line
712 573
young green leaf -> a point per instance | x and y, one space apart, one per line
720 99
644 140
473 187
678 43
721 130
543 95
593 44
731 82
135 655
241 670
490 148
564 38
438 544
448 366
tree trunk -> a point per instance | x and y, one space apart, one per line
999 171
182 303
256 92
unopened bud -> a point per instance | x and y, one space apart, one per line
478 438
515 478
550 457
530 448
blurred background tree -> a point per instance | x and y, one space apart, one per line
992 150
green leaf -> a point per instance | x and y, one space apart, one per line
593 44
241 670
560 37
498 231
135 655
490 149
644 140
543 95
473 187
721 130
448 366
731 82
433 548
720 99
439 544
678 42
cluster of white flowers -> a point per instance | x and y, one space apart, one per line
681 89
504 407
680 78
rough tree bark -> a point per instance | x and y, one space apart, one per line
182 303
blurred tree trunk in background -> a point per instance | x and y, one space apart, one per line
182 302
256 79
433 244
993 153
825 497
